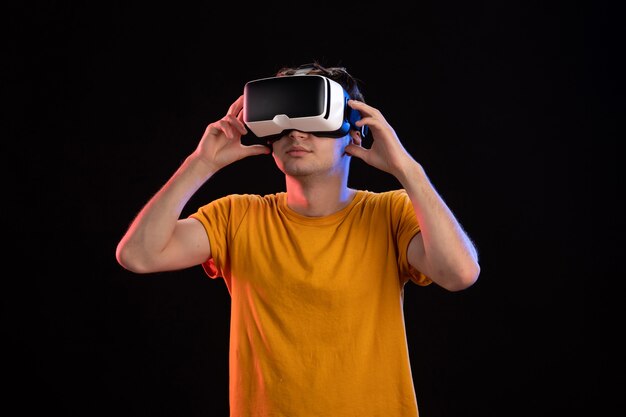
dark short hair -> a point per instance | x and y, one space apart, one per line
339 74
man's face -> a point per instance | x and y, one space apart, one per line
300 154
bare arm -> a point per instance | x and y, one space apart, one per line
442 250
157 239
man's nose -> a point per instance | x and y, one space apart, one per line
297 135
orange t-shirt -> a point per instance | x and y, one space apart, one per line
317 322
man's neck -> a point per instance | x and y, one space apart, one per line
318 198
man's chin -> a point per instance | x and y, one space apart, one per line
295 169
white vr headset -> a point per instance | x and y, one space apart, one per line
314 104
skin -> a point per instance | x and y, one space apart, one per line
316 175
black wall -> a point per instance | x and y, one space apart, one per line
511 107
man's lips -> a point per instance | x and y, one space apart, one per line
297 150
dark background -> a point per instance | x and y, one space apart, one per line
511 107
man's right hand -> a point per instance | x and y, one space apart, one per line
221 143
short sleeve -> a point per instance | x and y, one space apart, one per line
406 228
219 218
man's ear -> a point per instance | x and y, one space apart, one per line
356 137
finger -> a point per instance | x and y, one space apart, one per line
236 107
238 124
240 117
240 114
213 129
372 122
358 151
364 122
365 109
226 128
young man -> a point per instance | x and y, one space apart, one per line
316 273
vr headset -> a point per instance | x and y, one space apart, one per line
314 104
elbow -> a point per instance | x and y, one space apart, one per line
123 258
129 261
469 276
463 278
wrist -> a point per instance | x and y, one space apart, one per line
409 172
200 166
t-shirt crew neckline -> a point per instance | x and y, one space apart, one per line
317 221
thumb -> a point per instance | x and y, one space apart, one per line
252 150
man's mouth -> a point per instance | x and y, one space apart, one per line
297 151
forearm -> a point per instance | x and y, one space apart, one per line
153 227
449 256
